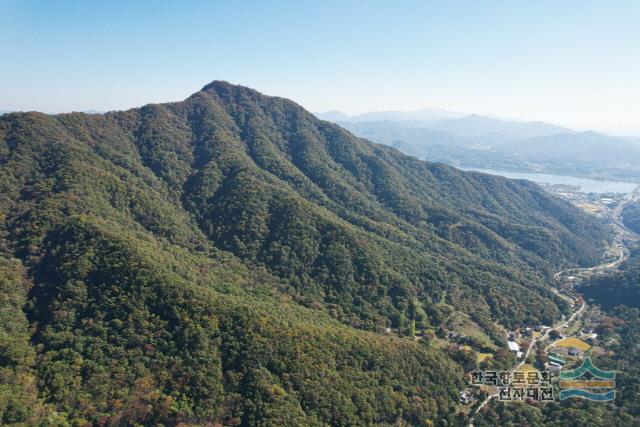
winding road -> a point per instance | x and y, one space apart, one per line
531 346
623 233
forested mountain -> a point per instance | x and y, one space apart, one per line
631 216
231 258
619 288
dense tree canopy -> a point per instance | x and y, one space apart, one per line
621 287
631 216
232 259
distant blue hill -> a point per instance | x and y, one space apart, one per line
477 141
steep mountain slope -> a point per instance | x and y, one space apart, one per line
621 287
207 260
631 216
131 316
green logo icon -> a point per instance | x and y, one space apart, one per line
588 382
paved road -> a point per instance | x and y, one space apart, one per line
602 267
623 232
531 346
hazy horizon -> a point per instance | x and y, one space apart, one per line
572 64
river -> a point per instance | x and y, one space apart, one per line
586 185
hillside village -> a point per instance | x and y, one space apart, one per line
545 348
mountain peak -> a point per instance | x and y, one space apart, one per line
234 93
196 221
226 89
217 85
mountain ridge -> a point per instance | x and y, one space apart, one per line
231 258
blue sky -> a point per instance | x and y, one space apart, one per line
571 62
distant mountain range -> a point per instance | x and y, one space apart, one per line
629 129
84 111
475 125
424 114
477 141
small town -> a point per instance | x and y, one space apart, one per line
544 348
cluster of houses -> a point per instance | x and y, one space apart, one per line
466 396
595 203
555 361
515 347
527 333
572 348
588 335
